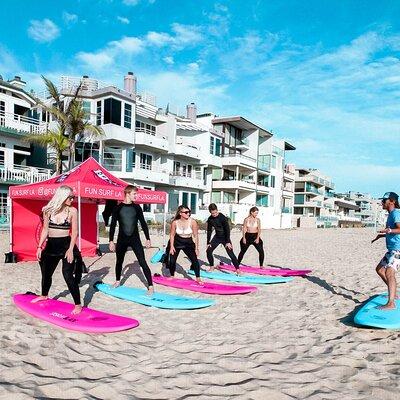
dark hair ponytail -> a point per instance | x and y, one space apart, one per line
252 209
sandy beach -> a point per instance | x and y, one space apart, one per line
286 341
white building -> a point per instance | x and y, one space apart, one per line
196 159
20 162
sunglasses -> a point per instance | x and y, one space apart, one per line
185 212
70 197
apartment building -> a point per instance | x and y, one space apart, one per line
196 159
20 162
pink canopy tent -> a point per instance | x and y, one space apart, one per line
92 184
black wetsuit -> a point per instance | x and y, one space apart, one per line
222 236
128 216
251 240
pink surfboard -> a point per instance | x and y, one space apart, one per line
59 313
205 287
267 271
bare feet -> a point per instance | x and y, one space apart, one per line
238 272
388 306
116 284
150 291
211 269
199 281
39 298
77 309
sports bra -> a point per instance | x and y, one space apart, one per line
184 232
249 224
66 225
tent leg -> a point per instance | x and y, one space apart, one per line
11 227
79 223
165 222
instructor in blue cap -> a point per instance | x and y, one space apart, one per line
387 267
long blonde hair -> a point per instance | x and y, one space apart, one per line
57 201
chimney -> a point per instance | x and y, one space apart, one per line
130 83
191 112
17 82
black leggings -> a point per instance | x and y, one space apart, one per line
51 255
250 240
189 248
215 242
120 249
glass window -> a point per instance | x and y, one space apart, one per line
112 111
272 181
273 161
85 150
185 199
193 202
299 199
218 147
128 116
211 145
262 200
216 197
2 157
112 159
216 174
4 215
177 167
130 160
229 197
146 161
2 108
86 109
98 113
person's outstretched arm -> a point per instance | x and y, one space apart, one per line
143 224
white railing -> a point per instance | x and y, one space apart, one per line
152 167
239 156
21 123
150 132
194 175
22 174
184 143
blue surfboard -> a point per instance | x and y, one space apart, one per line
225 276
371 315
159 300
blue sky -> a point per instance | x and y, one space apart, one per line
325 75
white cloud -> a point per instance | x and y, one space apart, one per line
96 61
131 2
183 36
123 20
158 39
69 18
128 44
43 31
169 60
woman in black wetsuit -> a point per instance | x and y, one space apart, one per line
128 214
60 228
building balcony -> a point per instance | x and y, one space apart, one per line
312 204
239 160
316 180
234 185
188 180
18 125
287 192
18 174
118 134
147 139
187 149
242 144
147 173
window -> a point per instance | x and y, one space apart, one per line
273 161
228 175
263 180
98 113
262 200
128 116
146 161
2 155
216 197
130 160
228 197
177 167
189 171
299 199
112 111
86 107
185 198
112 159
272 181
211 145
3 207
2 108
193 202
146 128
218 143
85 150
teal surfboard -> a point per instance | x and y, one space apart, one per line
371 315
224 276
159 300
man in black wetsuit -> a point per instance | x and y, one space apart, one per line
220 224
128 214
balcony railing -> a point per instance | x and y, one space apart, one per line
193 175
278 151
21 174
20 124
244 142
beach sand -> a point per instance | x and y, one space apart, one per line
286 341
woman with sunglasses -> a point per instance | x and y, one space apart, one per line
183 230
60 228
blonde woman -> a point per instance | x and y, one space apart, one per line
251 236
60 228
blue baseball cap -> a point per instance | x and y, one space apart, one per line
390 195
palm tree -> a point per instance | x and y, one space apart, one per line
73 122
56 140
